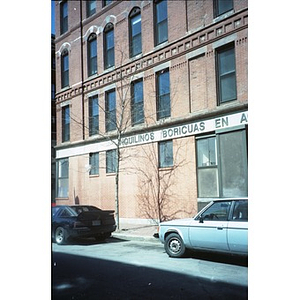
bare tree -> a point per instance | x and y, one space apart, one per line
156 197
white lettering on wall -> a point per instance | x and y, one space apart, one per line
161 134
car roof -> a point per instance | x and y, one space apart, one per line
231 199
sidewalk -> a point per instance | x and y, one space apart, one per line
137 232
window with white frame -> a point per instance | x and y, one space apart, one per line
62 186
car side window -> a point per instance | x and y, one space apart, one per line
64 213
240 211
217 212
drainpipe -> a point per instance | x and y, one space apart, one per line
82 74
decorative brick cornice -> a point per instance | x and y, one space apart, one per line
235 23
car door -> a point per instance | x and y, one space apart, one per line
238 228
209 230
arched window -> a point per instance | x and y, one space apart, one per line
64 68
92 54
135 32
109 46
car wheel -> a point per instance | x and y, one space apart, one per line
60 236
174 245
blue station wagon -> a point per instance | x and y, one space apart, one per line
221 226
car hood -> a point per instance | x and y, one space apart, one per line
177 222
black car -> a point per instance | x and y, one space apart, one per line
80 221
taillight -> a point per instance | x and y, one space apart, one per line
77 224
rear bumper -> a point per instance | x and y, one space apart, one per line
91 231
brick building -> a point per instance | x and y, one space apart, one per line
163 86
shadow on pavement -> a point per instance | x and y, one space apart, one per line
219 257
84 278
93 241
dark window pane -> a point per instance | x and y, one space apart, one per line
110 111
240 211
161 22
94 163
93 116
136 37
109 55
65 123
217 212
228 87
111 160
223 6
137 103
91 7
92 56
166 154
227 75
164 103
63 17
64 70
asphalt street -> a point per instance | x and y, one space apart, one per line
119 269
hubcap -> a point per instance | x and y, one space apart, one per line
175 246
59 236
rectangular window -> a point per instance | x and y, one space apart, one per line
93 115
137 102
135 34
163 95
94 163
161 22
111 161
233 164
109 49
165 154
62 184
222 169
63 17
110 111
90 7
64 69
92 55
207 169
222 6
65 123
106 2
226 74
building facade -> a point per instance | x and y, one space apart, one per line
163 86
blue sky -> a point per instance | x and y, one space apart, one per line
52 17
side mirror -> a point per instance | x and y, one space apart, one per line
201 219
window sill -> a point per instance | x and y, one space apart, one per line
93 176
223 16
110 174
62 199
170 168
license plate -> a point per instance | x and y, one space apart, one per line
96 223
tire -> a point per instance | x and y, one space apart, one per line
60 236
174 245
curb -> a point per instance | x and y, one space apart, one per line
131 237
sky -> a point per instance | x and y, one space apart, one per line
52 17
